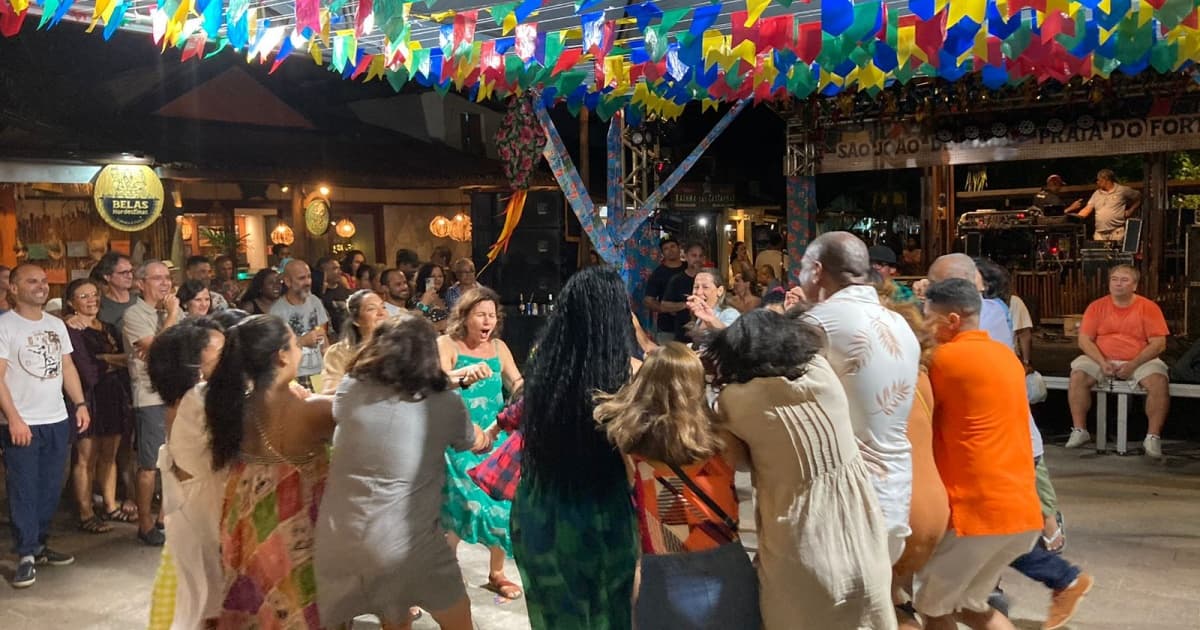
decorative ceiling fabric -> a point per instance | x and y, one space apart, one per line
656 57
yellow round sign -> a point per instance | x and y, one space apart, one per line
129 197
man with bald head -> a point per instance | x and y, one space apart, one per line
35 432
155 310
306 316
994 317
876 356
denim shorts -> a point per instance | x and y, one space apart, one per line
715 589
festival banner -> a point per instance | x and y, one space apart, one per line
898 146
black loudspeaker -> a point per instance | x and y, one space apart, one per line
485 225
534 265
973 244
543 210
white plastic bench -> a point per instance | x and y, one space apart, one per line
1123 390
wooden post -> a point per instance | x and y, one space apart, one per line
8 225
299 229
1155 200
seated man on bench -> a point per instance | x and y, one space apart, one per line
1122 336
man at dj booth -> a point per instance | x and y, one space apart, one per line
1113 205
1048 200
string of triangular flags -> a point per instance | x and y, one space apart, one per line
662 66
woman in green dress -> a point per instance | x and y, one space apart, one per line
574 533
482 367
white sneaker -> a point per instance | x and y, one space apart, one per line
1078 438
1153 446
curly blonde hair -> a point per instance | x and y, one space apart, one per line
662 414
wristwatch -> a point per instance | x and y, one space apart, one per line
80 404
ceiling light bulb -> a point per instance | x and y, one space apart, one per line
324 190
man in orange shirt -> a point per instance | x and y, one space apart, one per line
1122 336
981 446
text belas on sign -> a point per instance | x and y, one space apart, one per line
128 197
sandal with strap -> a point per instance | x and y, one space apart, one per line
94 525
120 515
503 587
1055 542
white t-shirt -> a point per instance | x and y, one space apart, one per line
35 352
876 357
1019 313
302 319
393 310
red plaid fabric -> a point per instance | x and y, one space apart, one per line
499 474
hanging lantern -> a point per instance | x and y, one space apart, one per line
440 226
344 228
460 227
282 235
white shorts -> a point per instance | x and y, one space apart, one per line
895 547
963 571
1084 363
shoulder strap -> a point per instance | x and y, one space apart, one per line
703 496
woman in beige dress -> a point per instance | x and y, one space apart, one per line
822 543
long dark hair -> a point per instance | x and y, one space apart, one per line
401 354
347 263
584 349
997 282
173 360
247 360
255 290
425 273
761 344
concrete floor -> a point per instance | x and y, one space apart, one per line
1132 523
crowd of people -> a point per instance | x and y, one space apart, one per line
322 455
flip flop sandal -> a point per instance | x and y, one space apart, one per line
1055 542
119 515
504 588
94 525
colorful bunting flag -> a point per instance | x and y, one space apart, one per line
735 56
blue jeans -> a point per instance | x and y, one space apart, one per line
1048 568
34 482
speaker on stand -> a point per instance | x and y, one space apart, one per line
1191 302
